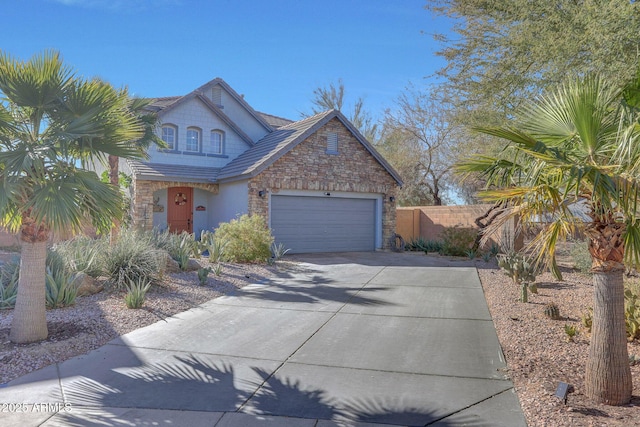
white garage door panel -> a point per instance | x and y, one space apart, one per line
323 224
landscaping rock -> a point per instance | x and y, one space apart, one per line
87 285
193 265
171 264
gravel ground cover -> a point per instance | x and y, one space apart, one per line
539 355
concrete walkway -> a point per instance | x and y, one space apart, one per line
349 339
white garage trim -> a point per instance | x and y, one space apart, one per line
376 198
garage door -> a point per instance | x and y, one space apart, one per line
323 224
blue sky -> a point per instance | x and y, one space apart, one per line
275 52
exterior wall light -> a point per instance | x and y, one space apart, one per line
392 199
262 193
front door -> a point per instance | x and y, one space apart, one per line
180 209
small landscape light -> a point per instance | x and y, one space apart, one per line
327 194
562 391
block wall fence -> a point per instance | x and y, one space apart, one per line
428 222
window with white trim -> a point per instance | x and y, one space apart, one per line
217 141
332 143
169 136
193 139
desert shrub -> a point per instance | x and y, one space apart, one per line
133 257
278 251
215 247
179 246
417 244
457 240
9 275
61 289
83 254
246 239
136 292
581 257
424 245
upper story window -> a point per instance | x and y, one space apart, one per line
193 139
169 136
217 142
332 143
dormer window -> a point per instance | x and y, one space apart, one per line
169 136
216 95
193 139
217 142
332 143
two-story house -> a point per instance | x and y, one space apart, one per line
318 182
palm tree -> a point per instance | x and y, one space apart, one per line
573 163
52 124
149 121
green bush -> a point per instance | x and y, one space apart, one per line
83 254
457 240
246 239
581 257
9 275
133 257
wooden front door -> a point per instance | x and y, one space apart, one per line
180 209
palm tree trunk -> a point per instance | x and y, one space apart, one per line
29 316
608 375
114 175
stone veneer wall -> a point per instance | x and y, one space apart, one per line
309 167
142 198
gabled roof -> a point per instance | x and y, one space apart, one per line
240 99
168 103
284 139
170 172
163 105
275 121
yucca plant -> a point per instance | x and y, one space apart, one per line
83 254
215 247
136 292
278 251
9 276
132 257
217 270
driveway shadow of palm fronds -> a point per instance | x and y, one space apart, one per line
286 396
395 411
198 383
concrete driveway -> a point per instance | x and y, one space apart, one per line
356 339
